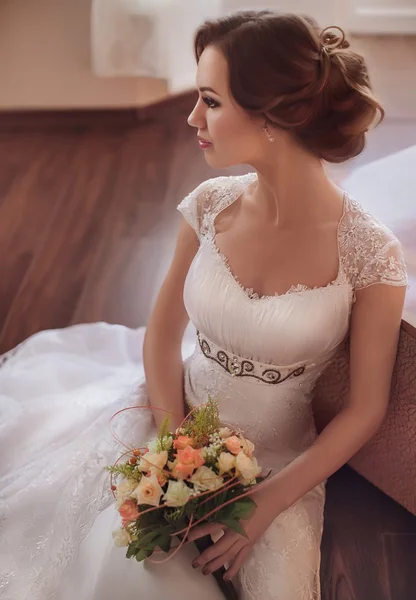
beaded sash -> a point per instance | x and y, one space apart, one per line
242 367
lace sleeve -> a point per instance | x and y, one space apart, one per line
195 203
383 261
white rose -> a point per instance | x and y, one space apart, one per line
121 538
204 478
226 461
177 494
247 466
153 459
124 490
152 446
148 491
247 447
225 432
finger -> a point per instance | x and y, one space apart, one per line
203 530
237 562
215 550
224 558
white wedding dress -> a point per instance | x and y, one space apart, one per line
259 355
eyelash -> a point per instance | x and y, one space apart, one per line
209 102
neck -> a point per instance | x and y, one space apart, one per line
293 189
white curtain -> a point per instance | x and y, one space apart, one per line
148 38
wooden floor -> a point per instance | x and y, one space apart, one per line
87 228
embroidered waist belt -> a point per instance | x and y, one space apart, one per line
242 367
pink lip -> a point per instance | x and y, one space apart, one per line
204 143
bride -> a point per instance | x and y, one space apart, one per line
273 269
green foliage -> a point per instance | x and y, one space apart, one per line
190 508
126 470
233 524
205 420
212 504
172 514
149 519
157 537
212 462
164 430
154 529
164 437
233 513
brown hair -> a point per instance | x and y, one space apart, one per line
300 78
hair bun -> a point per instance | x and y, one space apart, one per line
332 41
302 78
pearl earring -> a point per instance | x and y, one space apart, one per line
269 135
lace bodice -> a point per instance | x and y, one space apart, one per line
369 252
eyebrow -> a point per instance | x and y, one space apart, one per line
208 89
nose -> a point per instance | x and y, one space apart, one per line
196 118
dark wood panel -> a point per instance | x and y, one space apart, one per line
361 526
400 572
30 195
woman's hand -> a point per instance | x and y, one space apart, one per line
233 548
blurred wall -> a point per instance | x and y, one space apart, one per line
326 12
45 60
354 16
383 16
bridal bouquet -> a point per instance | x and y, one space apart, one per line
200 473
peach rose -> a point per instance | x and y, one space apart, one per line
153 459
188 460
148 491
190 456
182 441
160 475
247 467
181 471
128 511
233 444
247 447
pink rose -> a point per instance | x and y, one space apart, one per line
233 444
181 471
128 511
182 441
190 456
189 459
